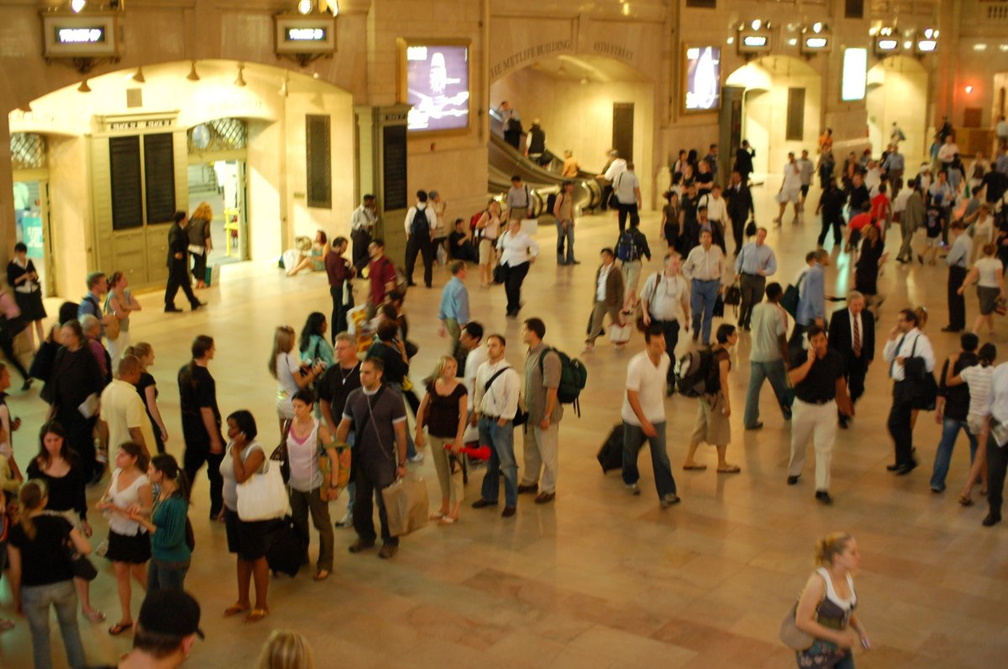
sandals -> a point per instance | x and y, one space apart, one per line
438 515
321 575
120 627
256 615
730 469
234 610
94 616
447 520
965 500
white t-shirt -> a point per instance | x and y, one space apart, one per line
287 387
979 380
121 409
989 269
716 209
792 176
649 381
625 187
616 168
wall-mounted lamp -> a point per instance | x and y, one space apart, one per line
284 90
139 76
78 6
84 88
240 81
193 74
306 7
754 38
887 42
815 39
927 42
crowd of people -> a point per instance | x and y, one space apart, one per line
348 380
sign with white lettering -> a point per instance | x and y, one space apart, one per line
95 35
310 35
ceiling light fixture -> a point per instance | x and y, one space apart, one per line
78 5
305 6
84 88
193 74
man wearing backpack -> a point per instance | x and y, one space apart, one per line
643 416
630 248
542 380
420 223
665 302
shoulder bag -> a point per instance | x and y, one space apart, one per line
263 496
923 389
112 327
521 415
790 635
279 454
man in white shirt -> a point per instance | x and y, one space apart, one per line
790 190
498 387
905 342
420 223
643 415
609 292
806 168
704 267
997 451
122 411
717 214
948 151
516 251
665 302
1001 131
626 188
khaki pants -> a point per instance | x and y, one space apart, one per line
818 421
449 473
541 455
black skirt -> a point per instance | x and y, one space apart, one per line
30 305
134 549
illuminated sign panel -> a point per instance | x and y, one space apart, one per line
314 35
434 79
855 74
750 42
701 81
95 35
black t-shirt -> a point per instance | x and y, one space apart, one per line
197 390
335 386
455 239
858 196
444 411
820 384
66 492
995 184
44 558
957 398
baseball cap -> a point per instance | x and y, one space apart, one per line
172 612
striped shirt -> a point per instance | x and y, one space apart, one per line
979 379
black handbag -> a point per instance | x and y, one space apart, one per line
733 296
80 565
922 388
279 454
499 273
719 307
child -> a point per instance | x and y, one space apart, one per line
933 221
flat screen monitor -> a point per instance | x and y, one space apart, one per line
702 79
436 84
855 74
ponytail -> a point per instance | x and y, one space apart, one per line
167 465
829 547
32 497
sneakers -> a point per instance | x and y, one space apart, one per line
668 500
632 488
345 521
416 459
824 497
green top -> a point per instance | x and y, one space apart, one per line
168 543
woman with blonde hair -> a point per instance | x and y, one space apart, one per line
444 412
200 243
147 389
488 229
40 574
285 366
285 649
120 303
825 610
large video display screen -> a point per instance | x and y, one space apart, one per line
855 74
437 85
702 80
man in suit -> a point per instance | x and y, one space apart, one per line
609 294
852 335
743 160
178 270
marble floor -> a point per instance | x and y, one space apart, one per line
598 578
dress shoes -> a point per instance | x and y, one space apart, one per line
892 468
172 309
508 511
903 470
360 545
482 503
824 497
531 488
545 497
792 480
991 520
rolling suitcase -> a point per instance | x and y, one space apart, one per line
610 456
285 549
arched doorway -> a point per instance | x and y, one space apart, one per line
233 134
586 104
897 93
781 109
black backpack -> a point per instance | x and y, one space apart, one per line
696 374
573 378
420 226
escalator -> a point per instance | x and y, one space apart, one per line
504 161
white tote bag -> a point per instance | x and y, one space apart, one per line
263 496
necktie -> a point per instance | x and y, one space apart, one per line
857 338
892 365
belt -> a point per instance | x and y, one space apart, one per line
755 275
816 402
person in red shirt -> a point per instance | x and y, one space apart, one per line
881 210
857 224
381 272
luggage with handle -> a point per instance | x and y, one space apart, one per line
610 456
285 548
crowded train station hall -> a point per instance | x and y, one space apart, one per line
292 377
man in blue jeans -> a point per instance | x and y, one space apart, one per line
767 355
705 268
495 404
644 416
952 407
